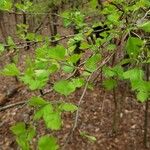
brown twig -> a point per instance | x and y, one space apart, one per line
80 101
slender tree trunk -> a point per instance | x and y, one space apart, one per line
147 72
53 24
2 26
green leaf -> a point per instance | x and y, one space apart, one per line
1 48
145 26
134 74
66 18
5 4
52 119
91 63
10 70
142 96
42 73
133 46
10 42
19 128
22 142
64 87
37 102
89 137
57 52
53 68
68 69
78 82
74 58
31 133
109 84
94 3
84 45
108 72
111 47
47 143
113 18
38 114
68 107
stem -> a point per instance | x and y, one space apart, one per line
115 116
146 110
146 124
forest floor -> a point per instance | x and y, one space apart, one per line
95 118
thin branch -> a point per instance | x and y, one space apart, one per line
22 102
12 105
81 98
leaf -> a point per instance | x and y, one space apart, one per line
10 42
89 137
114 18
42 73
108 72
66 18
47 143
78 82
57 52
74 58
134 74
109 84
111 47
68 69
91 63
1 48
37 102
94 3
22 142
31 133
145 26
52 120
53 68
84 45
68 107
38 114
10 70
142 96
133 46
64 87
18 128
5 4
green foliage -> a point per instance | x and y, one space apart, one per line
64 87
57 52
133 46
23 135
2 49
51 114
47 143
10 70
91 63
6 5
68 107
11 43
49 60
26 5
145 26
75 18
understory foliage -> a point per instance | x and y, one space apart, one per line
127 35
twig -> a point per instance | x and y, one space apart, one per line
80 101
12 105
21 103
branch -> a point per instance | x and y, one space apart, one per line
81 98
21 103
